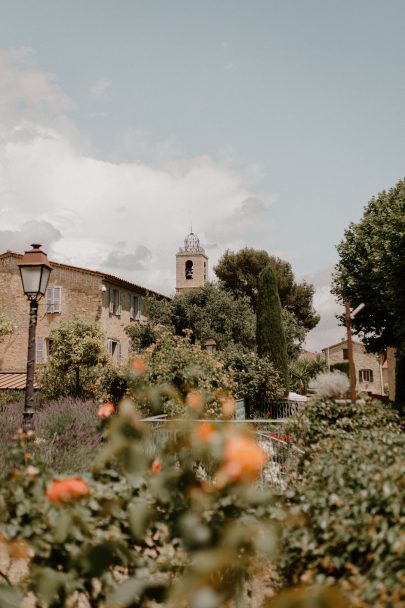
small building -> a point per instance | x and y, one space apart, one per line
107 300
368 366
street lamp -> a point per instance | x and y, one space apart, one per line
352 370
35 271
210 345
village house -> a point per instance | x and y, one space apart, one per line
109 301
368 366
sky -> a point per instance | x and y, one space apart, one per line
267 124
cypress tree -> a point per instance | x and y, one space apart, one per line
270 337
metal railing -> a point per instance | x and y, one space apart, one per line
270 434
278 409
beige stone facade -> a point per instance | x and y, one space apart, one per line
191 265
369 375
107 300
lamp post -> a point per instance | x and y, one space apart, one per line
210 345
35 271
352 370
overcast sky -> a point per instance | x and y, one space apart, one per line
264 123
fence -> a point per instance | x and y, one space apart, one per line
278 409
271 435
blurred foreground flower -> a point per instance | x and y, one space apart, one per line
138 366
105 410
244 459
65 490
155 467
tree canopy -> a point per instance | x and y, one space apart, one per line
238 273
371 269
78 349
270 336
210 312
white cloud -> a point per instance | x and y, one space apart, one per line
99 87
328 330
48 175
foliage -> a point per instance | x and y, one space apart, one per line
145 522
6 327
78 354
294 334
329 385
114 383
210 312
270 336
340 366
371 270
345 517
256 379
9 396
67 434
238 273
302 371
183 366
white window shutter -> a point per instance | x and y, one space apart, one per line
119 308
139 307
109 347
111 300
119 351
131 307
49 300
40 351
57 299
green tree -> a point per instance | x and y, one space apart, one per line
303 370
238 273
270 336
175 362
78 354
371 269
210 312
6 326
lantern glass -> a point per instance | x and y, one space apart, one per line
44 280
31 279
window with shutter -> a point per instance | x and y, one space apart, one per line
40 350
53 300
119 307
112 290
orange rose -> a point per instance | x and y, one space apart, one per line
65 490
156 466
195 400
228 407
244 459
204 430
138 365
105 410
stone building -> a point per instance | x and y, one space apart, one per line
368 366
191 265
111 302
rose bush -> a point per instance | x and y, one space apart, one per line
168 515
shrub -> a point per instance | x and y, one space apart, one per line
66 434
345 514
182 367
77 357
256 378
329 385
144 523
340 366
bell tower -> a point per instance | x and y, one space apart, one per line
191 264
